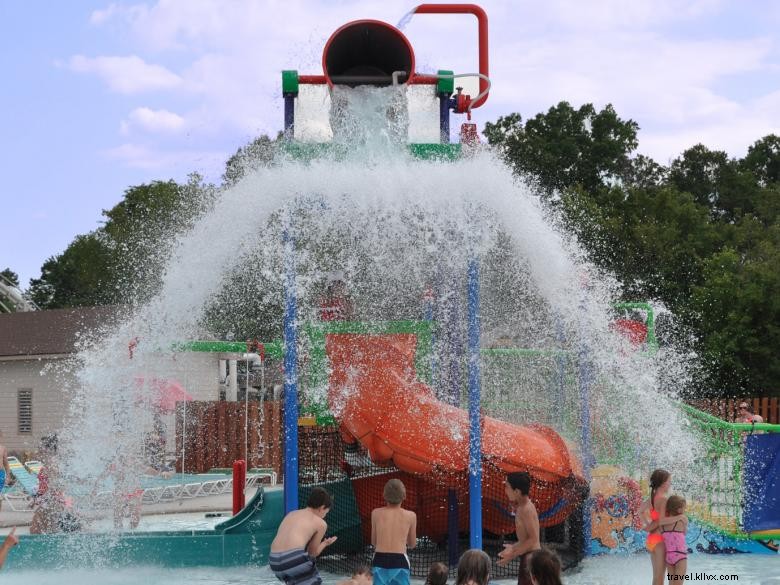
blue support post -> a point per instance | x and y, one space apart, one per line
560 387
290 375
444 118
475 436
289 116
588 461
428 299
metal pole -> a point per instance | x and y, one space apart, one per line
585 380
290 374
444 117
289 116
246 415
475 440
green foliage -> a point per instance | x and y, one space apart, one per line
567 147
260 152
10 276
122 260
702 236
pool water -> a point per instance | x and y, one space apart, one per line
634 570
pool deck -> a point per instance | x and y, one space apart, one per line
201 505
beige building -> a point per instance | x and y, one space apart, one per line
33 345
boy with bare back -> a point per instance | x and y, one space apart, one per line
393 530
517 488
300 539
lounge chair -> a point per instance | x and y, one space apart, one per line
18 497
33 466
27 481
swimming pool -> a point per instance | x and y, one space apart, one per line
633 570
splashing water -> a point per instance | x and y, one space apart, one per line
395 226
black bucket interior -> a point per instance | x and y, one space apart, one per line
367 53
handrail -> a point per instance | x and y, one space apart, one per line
710 419
482 23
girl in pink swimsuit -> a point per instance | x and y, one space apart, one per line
673 529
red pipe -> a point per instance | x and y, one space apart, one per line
482 22
312 79
419 79
239 481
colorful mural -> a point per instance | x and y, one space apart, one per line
616 525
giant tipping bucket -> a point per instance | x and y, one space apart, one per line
367 52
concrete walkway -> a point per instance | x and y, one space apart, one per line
192 508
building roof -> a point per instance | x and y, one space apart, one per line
55 331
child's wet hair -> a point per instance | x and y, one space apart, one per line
319 498
473 567
545 567
362 570
519 480
675 505
395 491
437 574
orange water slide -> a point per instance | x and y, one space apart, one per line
375 394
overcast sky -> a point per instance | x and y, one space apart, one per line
98 96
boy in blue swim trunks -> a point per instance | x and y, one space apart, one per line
393 530
300 539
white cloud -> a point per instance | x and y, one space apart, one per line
153 121
660 62
126 74
172 161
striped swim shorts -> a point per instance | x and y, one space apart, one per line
294 567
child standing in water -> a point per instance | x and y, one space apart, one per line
517 488
673 529
393 530
300 539
651 511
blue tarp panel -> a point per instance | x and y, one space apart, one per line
761 483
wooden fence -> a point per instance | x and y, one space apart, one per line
728 408
214 435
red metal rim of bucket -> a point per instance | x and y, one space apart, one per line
378 23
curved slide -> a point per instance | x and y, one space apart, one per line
375 393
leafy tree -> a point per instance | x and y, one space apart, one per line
763 160
260 152
566 146
714 180
122 260
10 276
81 275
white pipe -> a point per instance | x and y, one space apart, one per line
480 75
232 390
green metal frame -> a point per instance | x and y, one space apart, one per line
309 151
652 341
316 372
274 349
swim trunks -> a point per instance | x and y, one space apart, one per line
676 548
2 478
524 571
390 568
294 567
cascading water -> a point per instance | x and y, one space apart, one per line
396 227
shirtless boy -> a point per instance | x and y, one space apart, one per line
517 487
393 529
299 541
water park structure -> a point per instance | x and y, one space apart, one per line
422 397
